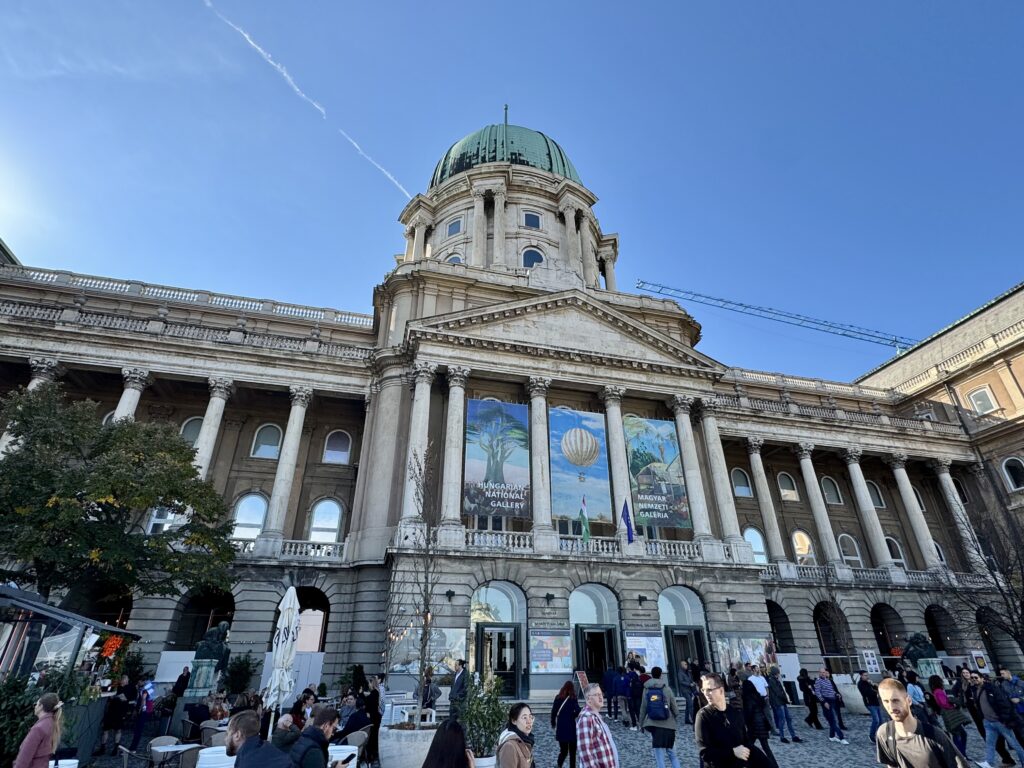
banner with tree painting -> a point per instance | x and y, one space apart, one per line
580 484
496 478
656 473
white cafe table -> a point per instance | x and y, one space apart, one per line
340 752
214 757
70 763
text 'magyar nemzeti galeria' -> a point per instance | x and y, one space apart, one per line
546 401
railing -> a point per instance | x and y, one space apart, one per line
28 311
871 575
505 541
596 545
923 578
244 546
975 580
774 406
675 550
863 418
819 411
113 322
770 572
813 572
807 384
317 550
196 332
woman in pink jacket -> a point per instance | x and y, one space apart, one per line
41 742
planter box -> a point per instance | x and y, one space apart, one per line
403 749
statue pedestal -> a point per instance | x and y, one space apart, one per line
204 677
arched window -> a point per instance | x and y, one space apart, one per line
830 490
754 538
532 257
982 400
531 220
803 548
250 512
325 521
896 552
1013 468
919 497
108 418
681 606
190 430
876 495
940 553
266 444
454 227
454 259
961 491
850 550
787 487
741 484
337 447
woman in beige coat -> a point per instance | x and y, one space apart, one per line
515 745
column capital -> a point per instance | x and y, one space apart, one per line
410 232
457 376
538 386
852 455
47 368
499 195
708 406
897 460
301 395
754 444
612 395
478 195
221 387
804 450
424 371
419 220
681 404
565 208
941 466
135 378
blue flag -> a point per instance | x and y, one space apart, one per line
627 520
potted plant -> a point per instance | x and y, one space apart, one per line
484 717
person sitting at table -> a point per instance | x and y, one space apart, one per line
310 751
285 734
348 708
244 744
302 709
356 721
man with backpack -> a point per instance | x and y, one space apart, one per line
658 712
905 741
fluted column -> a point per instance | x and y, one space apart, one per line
719 473
419 421
135 380
454 438
499 228
681 407
866 509
972 548
284 477
826 537
772 534
918 524
220 391
544 537
572 237
479 257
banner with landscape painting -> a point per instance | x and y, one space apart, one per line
496 479
579 465
656 473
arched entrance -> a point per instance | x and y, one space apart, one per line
782 631
834 638
943 632
497 619
890 633
199 612
684 627
314 610
1000 647
594 618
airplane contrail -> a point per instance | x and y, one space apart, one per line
301 94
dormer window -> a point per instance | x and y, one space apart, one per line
532 257
531 220
454 227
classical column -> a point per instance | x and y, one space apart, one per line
135 380
824 526
419 239
454 437
609 275
866 509
612 397
419 421
220 391
410 239
280 496
720 481
590 274
381 461
572 237
362 472
544 537
499 228
975 557
681 407
44 371
772 534
479 256
919 526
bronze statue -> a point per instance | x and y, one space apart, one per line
214 645
918 647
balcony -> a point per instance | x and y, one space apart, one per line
595 545
673 550
293 549
500 541
823 574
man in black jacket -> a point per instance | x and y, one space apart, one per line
310 751
999 717
457 695
249 750
870 697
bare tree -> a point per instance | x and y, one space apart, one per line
833 615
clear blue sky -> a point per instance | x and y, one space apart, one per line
856 161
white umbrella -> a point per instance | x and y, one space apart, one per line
285 638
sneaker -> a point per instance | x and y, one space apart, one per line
983 764
784 740
833 738
797 740
844 741
634 728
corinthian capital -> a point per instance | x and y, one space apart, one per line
423 372
708 406
612 395
681 404
852 455
135 378
538 386
754 444
46 368
804 450
221 387
897 461
941 466
301 395
457 376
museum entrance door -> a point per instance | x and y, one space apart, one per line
595 650
683 644
497 653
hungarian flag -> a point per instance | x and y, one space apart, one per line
627 520
584 520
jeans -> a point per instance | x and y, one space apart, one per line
659 757
687 697
992 733
830 714
781 713
959 737
876 720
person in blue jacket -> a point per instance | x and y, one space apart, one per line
621 691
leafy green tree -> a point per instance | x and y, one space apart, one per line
75 497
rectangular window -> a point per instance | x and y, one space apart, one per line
531 220
454 227
982 400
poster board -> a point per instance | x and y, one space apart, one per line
656 473
980 661
550 651
928 667
743 649
580 480
648 647
789 666
496 475
871 662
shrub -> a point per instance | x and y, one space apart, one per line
240 671
483 715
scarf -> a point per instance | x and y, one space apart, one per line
526 738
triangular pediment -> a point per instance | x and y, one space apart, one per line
567 324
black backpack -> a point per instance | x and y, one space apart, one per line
636 687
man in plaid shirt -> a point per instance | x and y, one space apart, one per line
594 744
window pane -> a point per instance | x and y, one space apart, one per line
454 227
876 495
803 548
532 220
830 491
250 512
754 538
337 448
741 483
267 444
787 487
325 521
981 401
895 551
1015 472
532 258
455 259
190 430
920 501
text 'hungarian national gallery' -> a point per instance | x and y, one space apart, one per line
594 484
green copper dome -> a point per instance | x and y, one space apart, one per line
504 144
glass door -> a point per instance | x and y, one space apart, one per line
498 655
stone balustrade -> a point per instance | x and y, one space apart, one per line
673 550
596 545
311 550
503 541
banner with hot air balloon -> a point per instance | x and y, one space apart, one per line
496 478
579 465
656 473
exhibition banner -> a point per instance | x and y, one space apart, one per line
739 649
579 465
648 648
656 473
550 651
496 479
